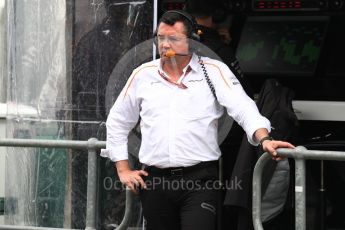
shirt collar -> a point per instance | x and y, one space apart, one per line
194 62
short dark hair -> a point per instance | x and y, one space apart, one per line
171 17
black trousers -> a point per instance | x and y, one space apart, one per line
182 198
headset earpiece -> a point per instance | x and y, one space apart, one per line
195 36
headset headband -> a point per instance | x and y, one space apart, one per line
190 19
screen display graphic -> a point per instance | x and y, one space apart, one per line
281 45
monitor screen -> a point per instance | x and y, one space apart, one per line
281 45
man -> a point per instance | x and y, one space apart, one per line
178 118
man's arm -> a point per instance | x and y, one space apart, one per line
122 118
243 109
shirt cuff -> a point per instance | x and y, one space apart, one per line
265 123
118 153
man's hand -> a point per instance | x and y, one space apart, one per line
270 146
131 178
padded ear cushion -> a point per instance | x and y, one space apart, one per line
195 36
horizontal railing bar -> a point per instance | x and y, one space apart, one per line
19 227
311 154
92 143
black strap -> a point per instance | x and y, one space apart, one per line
181 170
265 139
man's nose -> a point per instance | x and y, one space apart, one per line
165 43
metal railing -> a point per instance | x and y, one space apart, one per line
300 154
91 145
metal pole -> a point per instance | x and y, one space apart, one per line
91 185
155 19
322 190
19 227
300 223
126 218
257 180
50 143
312 154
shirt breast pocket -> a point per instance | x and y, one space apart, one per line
194 104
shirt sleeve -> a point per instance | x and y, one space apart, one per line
238 104
122 118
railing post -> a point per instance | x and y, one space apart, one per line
91 185
129 203
300 222
257 180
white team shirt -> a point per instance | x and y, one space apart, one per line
178 122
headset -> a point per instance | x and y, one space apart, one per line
193 35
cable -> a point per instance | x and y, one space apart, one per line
208 80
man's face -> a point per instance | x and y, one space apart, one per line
172 37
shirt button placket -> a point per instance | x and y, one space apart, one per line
172 128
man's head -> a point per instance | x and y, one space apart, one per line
174 29
173 16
